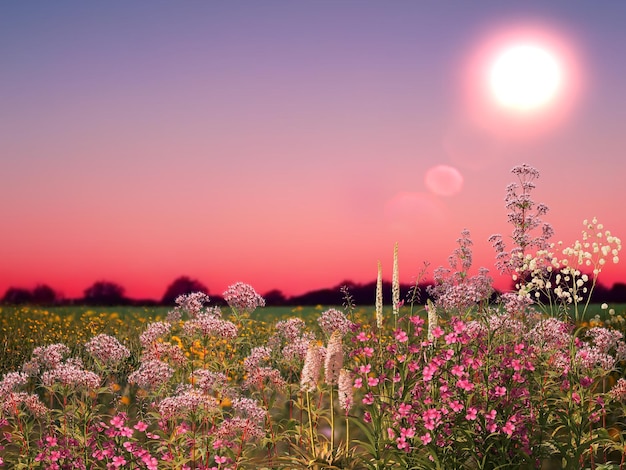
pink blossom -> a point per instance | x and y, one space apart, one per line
508 428
472 413
242 297
426 438
401 336
465 384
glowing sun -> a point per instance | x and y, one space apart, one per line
525 77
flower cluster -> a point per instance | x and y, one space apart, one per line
151 374
332 320
242 298
45 357
107 349
71 374
208 324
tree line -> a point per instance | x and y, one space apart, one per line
106 293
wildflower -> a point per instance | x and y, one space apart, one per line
107 349
256 356
45 357
345 383
151 374
312 367
334 358
153 331
618 392
71 374
508 428
186 402
395 282
242 297
191 303
209 324
290 330
11 381
334 320
401 336
472 413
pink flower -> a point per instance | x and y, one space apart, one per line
365 369
428 372
437 332
456 406
499 391
404 408
458 370
426 438
508 428
118 461
373 381
141 426
450 338
220 459
465 384
471 413
118 420
491 415
362 336
401 336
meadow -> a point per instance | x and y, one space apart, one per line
24 327
533 380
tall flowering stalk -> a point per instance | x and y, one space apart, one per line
395 286
332 367
379 297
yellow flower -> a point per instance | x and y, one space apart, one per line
125 400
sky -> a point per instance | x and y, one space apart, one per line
290 145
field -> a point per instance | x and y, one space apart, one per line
238 391
22 328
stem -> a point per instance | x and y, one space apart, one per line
308 407
347 434
332 421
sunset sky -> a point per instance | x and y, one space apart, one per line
287 144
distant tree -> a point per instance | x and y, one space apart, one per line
275 297
17 295
44 295
105 293
618 292
181 286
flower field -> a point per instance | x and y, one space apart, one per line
533 380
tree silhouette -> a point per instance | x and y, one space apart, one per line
275 298
17 295
105 293
44 295
181 286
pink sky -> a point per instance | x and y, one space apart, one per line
286 144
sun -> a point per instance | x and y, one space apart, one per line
525 77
